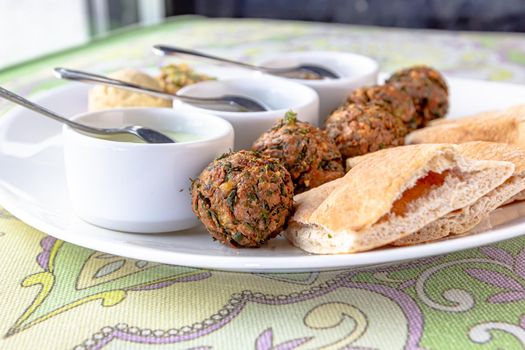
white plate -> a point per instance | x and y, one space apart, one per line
32 187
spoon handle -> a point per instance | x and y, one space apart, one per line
76 75
11 96
164 50
319 71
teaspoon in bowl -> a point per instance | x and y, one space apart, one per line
298 72
226 102
145 134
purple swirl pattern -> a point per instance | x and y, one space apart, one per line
239 301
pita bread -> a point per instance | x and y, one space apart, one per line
389 195
463 220
505 126
518 197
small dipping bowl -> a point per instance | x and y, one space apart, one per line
280 95
140 187
354 71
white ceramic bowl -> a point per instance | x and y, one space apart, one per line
138 187
279 94
354 71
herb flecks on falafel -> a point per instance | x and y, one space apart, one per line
243 198
428 90
305 151
389 97
360 129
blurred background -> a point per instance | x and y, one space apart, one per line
32 28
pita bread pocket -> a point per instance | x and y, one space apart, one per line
389 195
461 221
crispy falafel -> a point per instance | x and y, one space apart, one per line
359 129
428 90
306 152
398 102
243 198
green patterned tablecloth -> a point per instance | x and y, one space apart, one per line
55 295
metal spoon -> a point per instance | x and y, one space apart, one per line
145 134
226 102
289 72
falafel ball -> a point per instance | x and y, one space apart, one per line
428 90
243 198
306 152
360 129
398 102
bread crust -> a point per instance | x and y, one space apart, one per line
481 150
459 222
495 151
368 190
504 126
465 219
351 208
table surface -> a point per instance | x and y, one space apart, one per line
57 295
